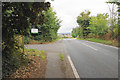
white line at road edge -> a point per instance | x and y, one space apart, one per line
73 68
102 44
89 46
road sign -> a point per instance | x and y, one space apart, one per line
34 31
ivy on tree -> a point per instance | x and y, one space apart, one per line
16 19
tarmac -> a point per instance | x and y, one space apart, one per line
56 68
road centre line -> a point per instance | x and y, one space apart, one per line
73 68
89 46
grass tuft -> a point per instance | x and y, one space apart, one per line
42 51
35 52
61 56
43 57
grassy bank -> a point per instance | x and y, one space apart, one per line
33 59
35 52
107 42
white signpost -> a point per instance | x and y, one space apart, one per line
34 31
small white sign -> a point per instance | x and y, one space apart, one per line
34 30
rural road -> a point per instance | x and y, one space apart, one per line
55 67
92 60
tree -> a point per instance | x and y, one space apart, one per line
48 30
113 16
16 19
74 32
98 24
51 25
77 32
83 22
113 1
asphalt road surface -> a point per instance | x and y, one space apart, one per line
93 60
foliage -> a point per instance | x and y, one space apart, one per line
74 34
16 19
83 22
50 27
113 20
35 52
98 24
113 2
115 29
27 40
77 32
48 30
61 56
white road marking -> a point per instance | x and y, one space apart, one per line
89 46
73 68
70 39
102 44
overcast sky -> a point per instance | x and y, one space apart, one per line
68 10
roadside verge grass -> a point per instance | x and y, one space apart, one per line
61 56
107 42
35 52
36 63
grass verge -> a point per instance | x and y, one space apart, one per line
37 61
35 52
107 42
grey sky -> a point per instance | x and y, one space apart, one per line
68 10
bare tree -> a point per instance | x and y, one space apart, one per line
113 15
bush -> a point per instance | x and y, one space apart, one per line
91 35
12 55
27 40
